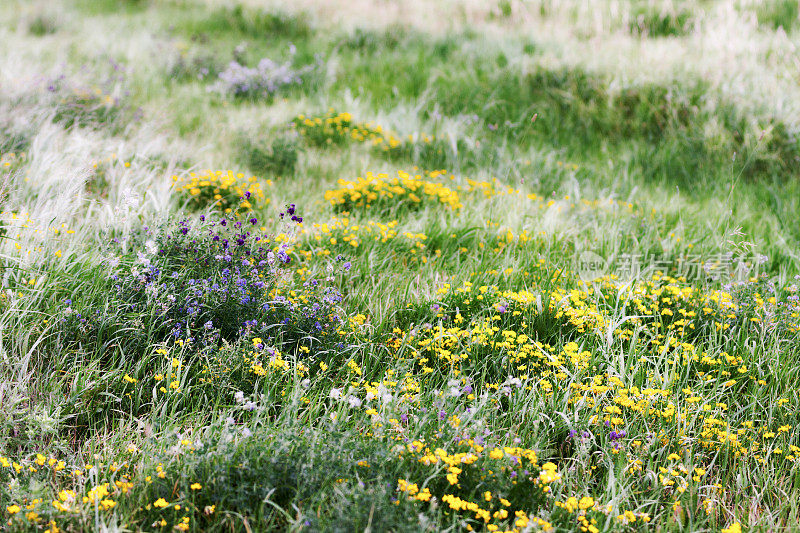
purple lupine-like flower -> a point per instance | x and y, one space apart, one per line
614 435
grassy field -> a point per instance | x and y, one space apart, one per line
399 265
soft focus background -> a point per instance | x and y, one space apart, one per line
398 266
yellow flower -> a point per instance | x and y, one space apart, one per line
13 509
160 503
733 528
195 486
107 504
587 502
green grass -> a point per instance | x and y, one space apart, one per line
652 21
435 357
778 14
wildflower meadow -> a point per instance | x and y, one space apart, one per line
390 266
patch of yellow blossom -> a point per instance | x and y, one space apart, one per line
229 190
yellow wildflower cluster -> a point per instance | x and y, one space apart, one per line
493 510
335 128
343 235
226 189
85 497
380 190
338 128
618 408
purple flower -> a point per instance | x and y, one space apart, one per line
614 435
